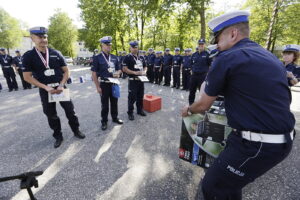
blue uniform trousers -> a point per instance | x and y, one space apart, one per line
240 163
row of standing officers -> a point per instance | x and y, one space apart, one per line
192 67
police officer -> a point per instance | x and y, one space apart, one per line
186 69
257 108
106 66
150 65
17 63
290 56
124 75
135 66
46 68
177 61
158 62
167 66
6 61
200 65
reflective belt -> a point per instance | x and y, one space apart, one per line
134 79
53 84
176 65
6 67
265 138
156 66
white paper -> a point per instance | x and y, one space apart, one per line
143 78
64 96
114 80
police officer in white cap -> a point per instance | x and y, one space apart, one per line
105 66
290 56
257 103
47 69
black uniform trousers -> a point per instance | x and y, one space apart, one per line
176 76
240 163
107 96
156 75
167 74
49 110
195 83
24 83
10 77
135 94
150 73
186 76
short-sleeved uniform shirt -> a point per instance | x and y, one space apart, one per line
18 62
167 60
101 65
253 81
187 62
177 60
130 61
150 59
292 67
6 60
158 61
200 62
33 63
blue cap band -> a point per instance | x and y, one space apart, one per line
235 20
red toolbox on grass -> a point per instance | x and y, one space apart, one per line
151 103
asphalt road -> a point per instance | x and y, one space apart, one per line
137 160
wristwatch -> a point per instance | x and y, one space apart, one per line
189 111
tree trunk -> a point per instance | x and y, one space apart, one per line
137 26
142 27
272 24
202 19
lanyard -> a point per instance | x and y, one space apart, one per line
19 58
134 57
4 59
107 61
45 62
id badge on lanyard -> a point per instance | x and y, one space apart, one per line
4 59
138 64
111 65
48 71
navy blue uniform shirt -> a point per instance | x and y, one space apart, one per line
150 59
6 60
187 62
253 81
167 60
100 65
158 61
292 67
200 62
129 62
33 63
177 60
18 62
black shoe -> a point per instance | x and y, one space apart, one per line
16 89
118 121
164 84
104 126
177 87
58 142
79 135
10 90
173 86
130 117
183 89
142 113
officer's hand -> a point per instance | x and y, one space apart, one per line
99 90
59 90
184 112
116 75
290 74
50 89
139 73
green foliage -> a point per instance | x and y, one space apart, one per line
10 31
286 24
63 34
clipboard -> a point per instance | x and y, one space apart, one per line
64 96
114 80
143 78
